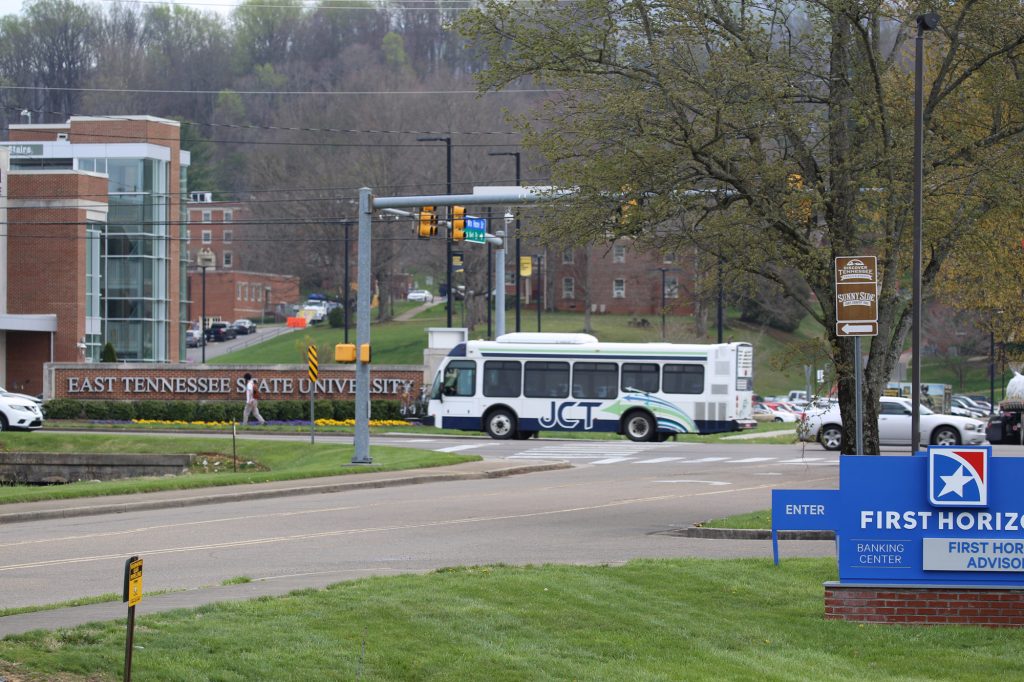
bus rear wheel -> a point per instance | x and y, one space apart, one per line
500 424
639 427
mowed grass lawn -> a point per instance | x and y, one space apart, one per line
688 619
258 461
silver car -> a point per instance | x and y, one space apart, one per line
894 426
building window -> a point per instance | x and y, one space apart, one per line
240 291
669 258
568 257
228 215
207 216
618 253
671 287
568 287
619 288
207 237
228 236
227 259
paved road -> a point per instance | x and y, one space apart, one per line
215 348
591 513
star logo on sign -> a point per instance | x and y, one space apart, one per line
955 482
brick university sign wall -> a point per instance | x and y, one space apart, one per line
147 381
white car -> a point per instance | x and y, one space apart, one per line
19 412
894 421
420 295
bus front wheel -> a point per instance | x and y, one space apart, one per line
639 427
500 425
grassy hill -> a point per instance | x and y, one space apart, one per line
779 357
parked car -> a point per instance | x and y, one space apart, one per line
982 409
763 412
193 338
894 424
420 295
19 412
220 331
244 326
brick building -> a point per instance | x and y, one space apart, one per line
213 225
93 247
621 279
234 294
232 291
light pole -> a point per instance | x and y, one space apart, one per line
925 22
540 287
519 183
204 259
347 285
448 238
663 271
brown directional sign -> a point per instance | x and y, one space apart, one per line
856 296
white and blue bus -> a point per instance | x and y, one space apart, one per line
522 383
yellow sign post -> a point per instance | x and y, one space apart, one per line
132 595
314 372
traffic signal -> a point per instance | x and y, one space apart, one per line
428 223
458 223
345 352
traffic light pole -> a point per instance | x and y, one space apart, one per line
367 205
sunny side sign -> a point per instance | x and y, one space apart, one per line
951 516
856 296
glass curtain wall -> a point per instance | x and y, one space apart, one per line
136 263
93 298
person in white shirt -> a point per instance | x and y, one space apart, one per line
252 402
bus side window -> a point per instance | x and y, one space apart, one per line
595 380
688 379
502 378
546 380
639 376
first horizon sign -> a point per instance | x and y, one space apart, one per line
856 296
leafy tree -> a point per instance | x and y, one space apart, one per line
777 132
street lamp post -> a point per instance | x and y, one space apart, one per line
925 22
540 287
519 183
448 239
663 283
346 285
204 259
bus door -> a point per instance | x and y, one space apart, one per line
459 408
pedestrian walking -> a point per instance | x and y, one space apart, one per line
252 401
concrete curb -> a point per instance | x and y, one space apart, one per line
748 534
306 489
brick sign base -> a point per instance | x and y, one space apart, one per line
159 381
944 605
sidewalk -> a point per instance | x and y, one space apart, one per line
78 615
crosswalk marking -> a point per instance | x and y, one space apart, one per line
613 460
706 459
751 460
658 460
457 448
801 460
